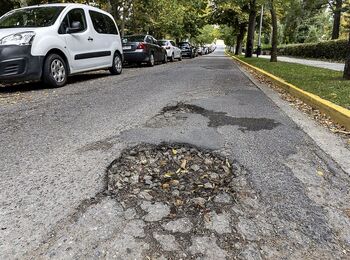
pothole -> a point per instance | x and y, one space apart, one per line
178 114
187 178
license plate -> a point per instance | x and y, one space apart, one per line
127 48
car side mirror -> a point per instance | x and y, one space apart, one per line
75 27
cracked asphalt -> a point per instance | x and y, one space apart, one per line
292 202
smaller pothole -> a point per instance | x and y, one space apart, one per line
186 177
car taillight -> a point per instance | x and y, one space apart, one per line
141 46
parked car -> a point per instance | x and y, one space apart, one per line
143 48
200 50
172 50
51 42
187 49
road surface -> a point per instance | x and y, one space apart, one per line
291 199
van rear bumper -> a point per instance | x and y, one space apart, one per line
17 64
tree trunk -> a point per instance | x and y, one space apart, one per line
347 63
336 19
274 42
240 37
251 29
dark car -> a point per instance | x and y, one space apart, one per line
187 49
143 49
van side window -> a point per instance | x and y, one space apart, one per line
103 23
75 15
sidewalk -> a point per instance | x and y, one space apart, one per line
314 63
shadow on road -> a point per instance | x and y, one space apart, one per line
34 86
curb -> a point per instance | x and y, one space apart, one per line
337 113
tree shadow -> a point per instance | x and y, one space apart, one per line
37 85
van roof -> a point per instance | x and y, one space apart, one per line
66 5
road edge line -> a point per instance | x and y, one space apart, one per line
337 113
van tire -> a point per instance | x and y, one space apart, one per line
117 65
55 72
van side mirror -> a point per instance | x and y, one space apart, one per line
75 27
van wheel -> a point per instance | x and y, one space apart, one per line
151 60
55 71
117 65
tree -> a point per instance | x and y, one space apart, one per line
336 8
347 62
233 14
251 29
274 41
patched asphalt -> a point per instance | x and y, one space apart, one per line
292 202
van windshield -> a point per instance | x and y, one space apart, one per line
31 17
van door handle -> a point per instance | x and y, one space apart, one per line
90 39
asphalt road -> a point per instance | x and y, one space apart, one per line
292 201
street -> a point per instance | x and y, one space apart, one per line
291 199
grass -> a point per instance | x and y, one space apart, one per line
327 84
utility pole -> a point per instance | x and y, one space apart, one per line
258 51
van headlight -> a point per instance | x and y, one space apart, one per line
23 38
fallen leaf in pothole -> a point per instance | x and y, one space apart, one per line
183 164
179 202
165 186
174 182
168 175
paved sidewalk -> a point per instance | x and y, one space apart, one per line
314 63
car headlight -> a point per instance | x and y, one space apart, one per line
23 38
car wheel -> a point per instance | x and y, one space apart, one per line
151 60
55 71
165 58
117 65
180 59
172 59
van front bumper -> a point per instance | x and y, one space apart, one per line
17 64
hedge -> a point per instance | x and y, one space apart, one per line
331 50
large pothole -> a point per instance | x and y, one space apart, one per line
186 177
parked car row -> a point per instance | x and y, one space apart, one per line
50 42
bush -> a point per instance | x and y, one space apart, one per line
330 50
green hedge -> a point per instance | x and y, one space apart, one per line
330 50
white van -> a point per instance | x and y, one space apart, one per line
50 42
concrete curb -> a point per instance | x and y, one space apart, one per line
337 113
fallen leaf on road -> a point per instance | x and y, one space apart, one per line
320 173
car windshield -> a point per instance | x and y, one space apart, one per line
134 38
31 17
184 44
163 43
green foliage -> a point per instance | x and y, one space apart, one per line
227 35
325 83
208 34
330 50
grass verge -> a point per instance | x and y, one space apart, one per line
325 83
